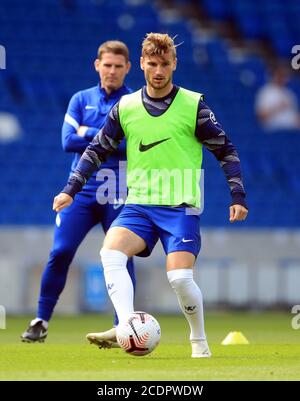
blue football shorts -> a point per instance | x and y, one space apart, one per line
177 230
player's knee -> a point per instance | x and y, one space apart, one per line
113 259
180 279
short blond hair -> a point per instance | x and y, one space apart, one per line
157 44
115 47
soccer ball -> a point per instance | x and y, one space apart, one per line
139 334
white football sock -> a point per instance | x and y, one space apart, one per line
190 300
118 281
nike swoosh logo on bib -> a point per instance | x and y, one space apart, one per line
143 148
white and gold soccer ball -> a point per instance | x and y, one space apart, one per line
139 334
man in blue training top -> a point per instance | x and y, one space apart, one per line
86 114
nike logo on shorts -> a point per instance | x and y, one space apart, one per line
88 107
143 148
58 220
187 240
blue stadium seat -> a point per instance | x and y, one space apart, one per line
217 9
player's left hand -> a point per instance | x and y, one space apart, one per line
237 213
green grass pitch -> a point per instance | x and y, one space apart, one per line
273 352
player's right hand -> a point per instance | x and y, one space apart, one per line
61 201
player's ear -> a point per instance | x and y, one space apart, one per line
142 63
128 67
96 64
175 64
